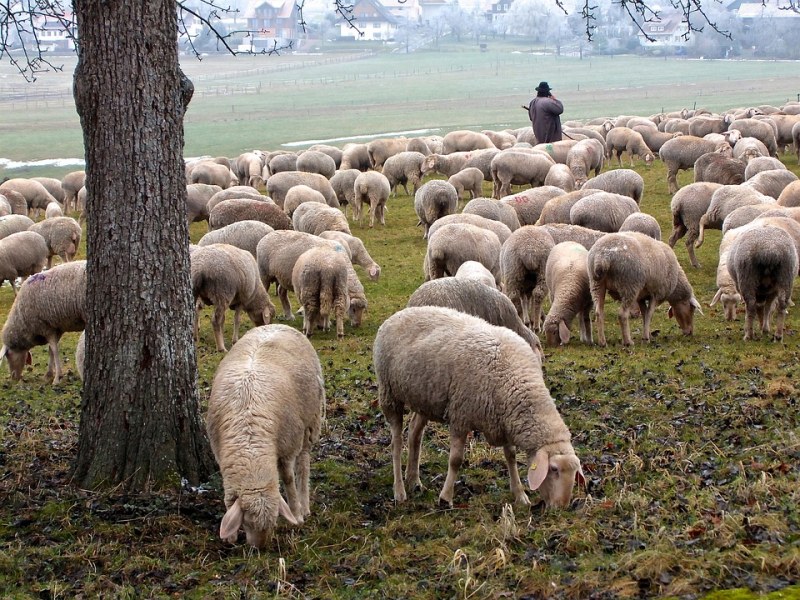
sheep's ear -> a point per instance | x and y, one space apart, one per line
696 304
580 478
670 312
3 352
716 297
286 512
537 474
563 332
28 358
231 522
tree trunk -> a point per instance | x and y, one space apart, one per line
140 417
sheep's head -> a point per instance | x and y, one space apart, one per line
356 311
256 512
554 474
750 154
683 311
729 299
374 271
17 359
429 164
649 158
724 149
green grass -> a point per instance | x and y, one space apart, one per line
690 446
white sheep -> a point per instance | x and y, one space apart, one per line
559 176
63 236
688 206
514 167
264 416
453 244
499 229
567 278
227 277
602 211
53 210
475 271
402 169
314 218
638 271
48 305
492 209
245 209
280 183
771 183
556 210
21 254
522 264
434 200
297 195
471 390
529 203
242 234
623 139
643 223
319 279
723 202
468 179
564 232
371 188
619 181
584 157
358 252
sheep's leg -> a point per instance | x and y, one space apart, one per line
283 296
678 231
54 361
749 316
764 315
416 428
517 490
340 322
691 238
599 295
237 314
586 326
395 422
647 309
625 324
286 471
458 441
302 473
672 179
218 321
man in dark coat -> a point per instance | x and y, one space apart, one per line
544 111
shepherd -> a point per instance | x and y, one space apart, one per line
544 111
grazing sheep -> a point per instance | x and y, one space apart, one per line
763 264
453 244
248 168
790 196
17 202
243 209
434 200
719 167
688 206
264 416
62 235
418 145
212 173
242 234
197 197
705 124
748 148
759 130
277 253
80 354
676 125
761 163
72 183
623 139
492 209
319 279
314 161
36 195
314 218
463 140
567 278
643 223
342 183
784 124
619 181
723 202
522 264
585 156
556 150
52 211
681 153
53 186
564 232
602 211
446 164
477 299
299 194
513 167
746 214
355 156
6 209
499 229
358 252
556 210
481 159
475 271
771 183
470 180
381 149
796 140
559 176
21 254
233 192
227 277
529 203
654 138
639 272
14 224
470 390
404 168
356 296
47 305
332 151
279 163
280 183
726 289
500 139
371 188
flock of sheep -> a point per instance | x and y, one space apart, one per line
571 231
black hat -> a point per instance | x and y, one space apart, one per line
543 87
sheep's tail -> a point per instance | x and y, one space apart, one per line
702 234
326 287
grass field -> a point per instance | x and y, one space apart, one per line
691 445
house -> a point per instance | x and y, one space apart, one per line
371 20
55 34
431 10
766 10
270 20
664 31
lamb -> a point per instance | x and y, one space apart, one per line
243 209
790 196
299 194
602 211
681 153
723 202
556 210
623 139
464 140
342 183
759 130
761 163
264 416
771 183
197 197
62 235
355 156
319 279
643 223
688 206
21 254
475 271
14 224
529 203
559 176
499 229
494 210
446 164
619 181
522 264
72 183
567 278
314 161
371 188
456 243
434 200
470 180
512 167
242 234
381 149
477 299
358 252
314 218
638 271
280 183
47 305
277 253
654 138
585 156
404 168
563 232
227 277
36 195
763 264
719 167
470 390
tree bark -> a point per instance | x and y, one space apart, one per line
140 417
